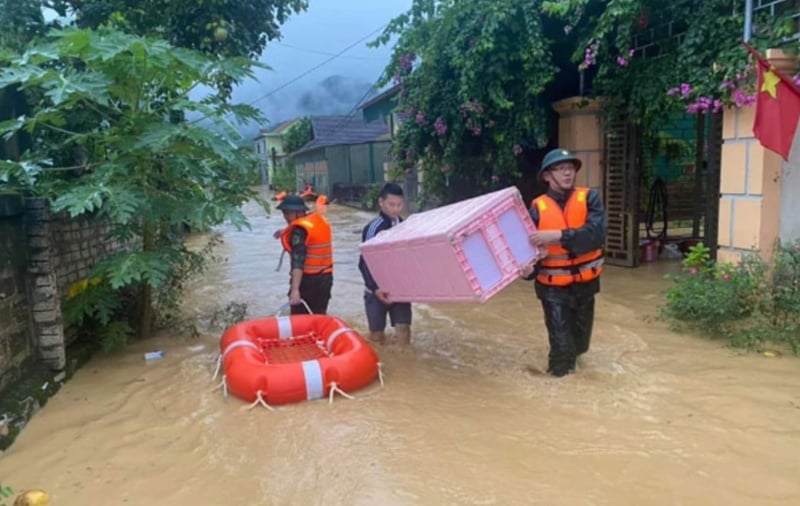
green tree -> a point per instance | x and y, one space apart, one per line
650 58
20 22
472 76
477 77
148 175
217 27
298 135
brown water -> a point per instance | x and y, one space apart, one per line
465 418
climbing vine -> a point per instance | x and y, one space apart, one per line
652 58
471 75
476 76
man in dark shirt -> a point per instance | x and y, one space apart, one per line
572 225
377 301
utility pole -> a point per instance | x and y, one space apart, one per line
748 19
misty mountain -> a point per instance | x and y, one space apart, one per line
334 95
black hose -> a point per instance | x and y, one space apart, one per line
656 201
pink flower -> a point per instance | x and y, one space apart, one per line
726 277
740 98
476 131
693 271
622 62
630 53
686 89
440 127
420 118
517 149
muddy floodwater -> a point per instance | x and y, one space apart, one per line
465 417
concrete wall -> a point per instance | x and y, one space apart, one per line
41 255
16 346
789 229
580 131
352 164
757 189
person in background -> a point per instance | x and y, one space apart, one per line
377 301
309 241
571 224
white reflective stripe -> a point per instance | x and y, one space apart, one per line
284 327
238 344
312 373
334 335
560 271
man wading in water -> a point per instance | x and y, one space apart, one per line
571 224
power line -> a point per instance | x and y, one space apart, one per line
324 53
372 87
315 67
307 72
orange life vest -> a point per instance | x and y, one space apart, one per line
562 268
319 243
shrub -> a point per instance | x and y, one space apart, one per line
748 304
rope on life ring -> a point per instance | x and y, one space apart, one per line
224 385
259 401
334 389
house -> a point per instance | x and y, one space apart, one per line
345 156
270 149
383 107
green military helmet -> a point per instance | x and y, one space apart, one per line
559 155
293 203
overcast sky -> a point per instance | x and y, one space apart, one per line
310 38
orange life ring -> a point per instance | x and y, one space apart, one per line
295 358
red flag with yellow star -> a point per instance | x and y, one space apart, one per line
777 108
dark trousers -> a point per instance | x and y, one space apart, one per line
315 289
569 327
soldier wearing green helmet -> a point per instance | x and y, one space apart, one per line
571 225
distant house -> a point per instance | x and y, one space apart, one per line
383 107
345 152
270 149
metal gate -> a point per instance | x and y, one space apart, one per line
621 144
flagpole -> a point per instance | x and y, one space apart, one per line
748 19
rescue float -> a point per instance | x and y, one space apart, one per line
286 359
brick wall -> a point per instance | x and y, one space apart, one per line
41 255
15 329
62 251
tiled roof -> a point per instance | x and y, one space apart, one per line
384 95
281 126
276 129
338 130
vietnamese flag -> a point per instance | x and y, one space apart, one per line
777 108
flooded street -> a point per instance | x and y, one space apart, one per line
466 416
